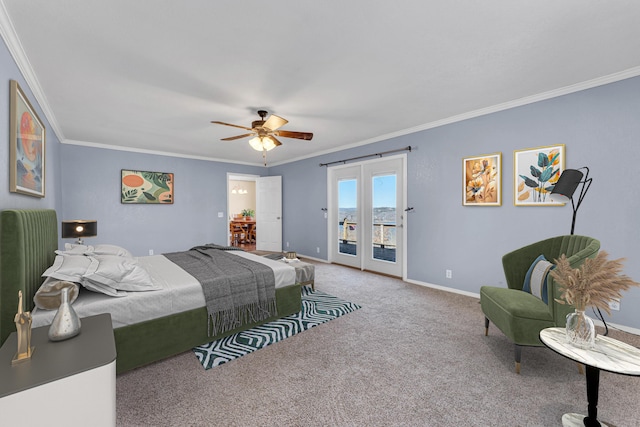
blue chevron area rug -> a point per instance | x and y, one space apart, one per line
317 308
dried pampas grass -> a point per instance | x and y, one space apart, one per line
595 283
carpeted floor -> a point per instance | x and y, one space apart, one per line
411 356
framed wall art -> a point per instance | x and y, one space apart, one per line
27 146
482 180
146 187
536 171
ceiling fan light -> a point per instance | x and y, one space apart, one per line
256 144
268 143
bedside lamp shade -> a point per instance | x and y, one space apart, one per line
79 228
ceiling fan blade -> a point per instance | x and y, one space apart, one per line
229 124
275 141
231 138
274 122
297 135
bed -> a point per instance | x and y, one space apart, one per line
28 241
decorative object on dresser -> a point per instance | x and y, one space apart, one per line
27 146
146 187
66 324
536 170
567 185
482 180
79 228
23 329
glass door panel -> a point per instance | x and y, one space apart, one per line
347 216
383 214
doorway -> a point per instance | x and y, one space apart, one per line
241 208
366 215
262 197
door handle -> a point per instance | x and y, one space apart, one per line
278 218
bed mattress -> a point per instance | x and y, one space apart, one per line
180 292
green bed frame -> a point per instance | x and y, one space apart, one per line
28 240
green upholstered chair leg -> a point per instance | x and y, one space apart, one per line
518 355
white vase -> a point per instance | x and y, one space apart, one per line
580 330
66 324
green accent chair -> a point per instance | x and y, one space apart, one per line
520 315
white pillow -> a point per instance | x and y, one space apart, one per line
68 268
111 250
119 273
74 249
103 289
71 249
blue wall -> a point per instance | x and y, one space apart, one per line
600 128
91 189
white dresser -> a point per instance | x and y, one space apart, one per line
71 383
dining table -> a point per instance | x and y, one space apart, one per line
247 226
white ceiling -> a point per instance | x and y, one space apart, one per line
152 74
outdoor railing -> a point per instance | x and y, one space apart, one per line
384 235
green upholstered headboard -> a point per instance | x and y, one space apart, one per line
28 240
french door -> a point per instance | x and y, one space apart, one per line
366 215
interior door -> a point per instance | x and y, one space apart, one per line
269 213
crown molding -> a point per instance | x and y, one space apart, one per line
155 152
11 39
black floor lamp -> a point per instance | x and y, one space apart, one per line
567 185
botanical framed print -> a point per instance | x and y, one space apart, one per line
27 146
536 171
482 180
146 187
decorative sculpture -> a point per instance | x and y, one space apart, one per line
23 328
66 324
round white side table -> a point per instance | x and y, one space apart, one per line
608 354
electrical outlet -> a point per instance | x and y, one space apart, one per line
220 214
448 274
150 251
287 244
318 250
614 304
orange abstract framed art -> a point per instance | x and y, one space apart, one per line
27 146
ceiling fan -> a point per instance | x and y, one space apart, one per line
264 132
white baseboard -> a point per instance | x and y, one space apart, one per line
313 258
622 328
443 288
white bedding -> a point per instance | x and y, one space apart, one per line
180 292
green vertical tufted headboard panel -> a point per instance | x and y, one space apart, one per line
28 240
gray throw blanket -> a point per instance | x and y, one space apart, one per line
237 291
